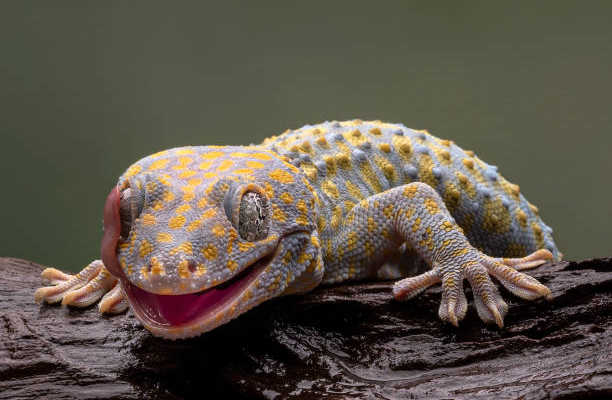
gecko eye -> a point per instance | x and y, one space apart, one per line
253 216
129 210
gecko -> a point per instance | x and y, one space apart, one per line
196 236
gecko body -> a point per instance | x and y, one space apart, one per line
195 236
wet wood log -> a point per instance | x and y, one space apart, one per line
342 342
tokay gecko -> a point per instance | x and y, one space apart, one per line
195 236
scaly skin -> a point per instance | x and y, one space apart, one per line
195 236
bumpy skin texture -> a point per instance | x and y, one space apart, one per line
339 201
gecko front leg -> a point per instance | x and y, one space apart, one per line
415 214
83 289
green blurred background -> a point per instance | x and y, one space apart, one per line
88 87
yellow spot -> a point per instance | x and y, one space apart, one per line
209 175
336 216
321 142
164 237
176 222
186 174
281 176
185 247
183 208
182 152
416 224
205 165
496 217
148 219
314 240
286 197
168 196
268 189
426 166
330 189
321 223
211 212
195 224
157 205
151 186
354 190
375 131
133 170
157 268
183 269
470 153
201 269
218 230
232 265
343 160
225 165
521 217
159 164
210 252
384 147
302 219
535 209
202 202
460 252
164 179
254 164
159 154
245 246
211 155
278 214
386 167
468 163
372 225
388 210
188 196
330 163
145 248
410 191
182 163
367 173
431 206
244 171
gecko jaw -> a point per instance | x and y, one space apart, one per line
186 315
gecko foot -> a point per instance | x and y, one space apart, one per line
83 289
477 269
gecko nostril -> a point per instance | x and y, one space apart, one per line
191 266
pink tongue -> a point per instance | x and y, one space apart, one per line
177 309
112 229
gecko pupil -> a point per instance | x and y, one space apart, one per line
253 218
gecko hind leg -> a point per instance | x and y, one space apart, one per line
83 289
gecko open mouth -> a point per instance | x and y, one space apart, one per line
181 309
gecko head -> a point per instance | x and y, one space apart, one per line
199 235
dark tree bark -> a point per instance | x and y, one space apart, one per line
342 342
